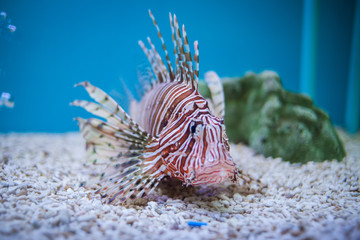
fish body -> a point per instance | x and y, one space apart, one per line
192 142
172 131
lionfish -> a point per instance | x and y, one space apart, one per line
173 131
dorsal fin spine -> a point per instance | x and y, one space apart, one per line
185 69
188 57
158 62
149 56
177 66
181 53
196 60
158 59
171 72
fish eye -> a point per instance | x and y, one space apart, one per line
193 127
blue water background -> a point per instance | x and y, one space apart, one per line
60 43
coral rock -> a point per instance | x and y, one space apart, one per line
276 122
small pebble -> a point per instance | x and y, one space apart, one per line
40 198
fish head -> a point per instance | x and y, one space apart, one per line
198 150
211 151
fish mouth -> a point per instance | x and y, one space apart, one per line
213 176
221 171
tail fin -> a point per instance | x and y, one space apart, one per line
133 164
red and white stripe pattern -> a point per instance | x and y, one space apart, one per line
172 131
192 142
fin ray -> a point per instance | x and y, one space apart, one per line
171 71
185 70
133 163
217 93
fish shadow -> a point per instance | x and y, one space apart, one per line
173 188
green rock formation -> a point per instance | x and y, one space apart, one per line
276 122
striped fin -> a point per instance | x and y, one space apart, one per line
217 93
184 68
159 61
129 179
188 59
171 71
108 103
134 165
102 144
181 53
126 182
177 69
154 62
184 55
196 60
146 79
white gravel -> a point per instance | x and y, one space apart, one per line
42 197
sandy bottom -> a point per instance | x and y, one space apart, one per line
42 197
